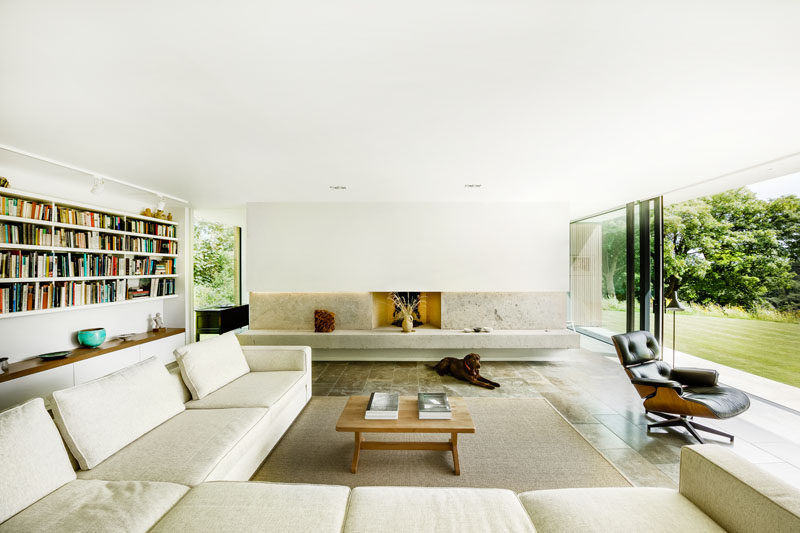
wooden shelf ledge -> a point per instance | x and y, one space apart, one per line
34 365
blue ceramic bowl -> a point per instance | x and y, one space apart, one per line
92 337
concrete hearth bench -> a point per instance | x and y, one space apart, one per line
423 344
152 446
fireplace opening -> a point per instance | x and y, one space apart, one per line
429 310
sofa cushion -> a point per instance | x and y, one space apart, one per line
252 506
254 389
208 365
614 509
33 461
185 449
100 417
458 510
98 506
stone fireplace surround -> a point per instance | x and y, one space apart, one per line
525 324
450 310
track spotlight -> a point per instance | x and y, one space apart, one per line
98 185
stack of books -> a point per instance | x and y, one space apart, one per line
382 406
434 406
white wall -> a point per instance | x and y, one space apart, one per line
408 246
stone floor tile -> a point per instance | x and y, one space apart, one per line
600 436
788 473
382 371
638 470
787 452
566 405
671 470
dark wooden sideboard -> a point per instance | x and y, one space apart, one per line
219 320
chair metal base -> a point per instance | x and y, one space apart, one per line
686 422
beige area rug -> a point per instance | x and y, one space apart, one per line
519 444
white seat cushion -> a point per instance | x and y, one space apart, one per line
33 460
614 509
456 510
254 389
102 416
185 449
235 506
208 365
99 506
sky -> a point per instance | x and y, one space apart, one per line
766 190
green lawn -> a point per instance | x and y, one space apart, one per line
768 349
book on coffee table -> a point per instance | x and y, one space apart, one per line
434 406
382 406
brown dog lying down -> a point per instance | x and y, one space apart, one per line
466 369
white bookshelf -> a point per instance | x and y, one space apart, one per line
52 224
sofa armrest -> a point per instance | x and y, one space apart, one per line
697 377
735 493
271 358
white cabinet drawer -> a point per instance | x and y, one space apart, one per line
36 385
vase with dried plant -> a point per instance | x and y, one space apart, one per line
406 307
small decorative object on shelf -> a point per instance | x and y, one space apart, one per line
125 336
54 355
324 321
158 323
407 307
3 365
147 213
92 338
478 330
4 182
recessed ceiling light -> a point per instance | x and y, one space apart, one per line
338 187
473 185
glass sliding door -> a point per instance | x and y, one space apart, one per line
615 271
598 274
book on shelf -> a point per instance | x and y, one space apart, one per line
22 264
20 297
151 228
17 207
434 406
382 406
92 219
152 246
29 234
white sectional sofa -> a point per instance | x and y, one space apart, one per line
153 446
215 418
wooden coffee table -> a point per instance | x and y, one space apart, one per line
408 421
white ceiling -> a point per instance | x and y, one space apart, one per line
595 102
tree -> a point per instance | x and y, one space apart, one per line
690 233
213 264
614 258
784 215
730 248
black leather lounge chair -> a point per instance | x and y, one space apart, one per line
676 394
